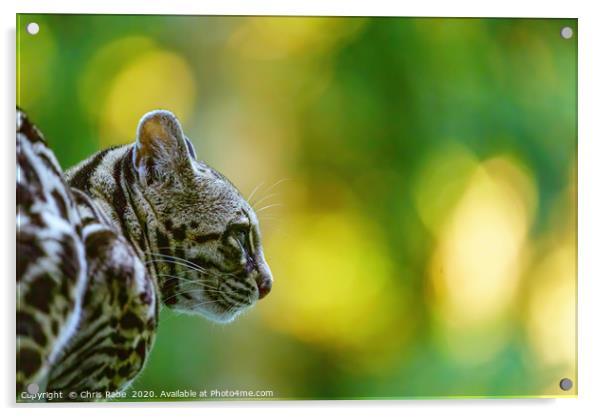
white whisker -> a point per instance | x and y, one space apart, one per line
268 206
253 193
264 199
199 284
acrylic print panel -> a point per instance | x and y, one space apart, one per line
398 218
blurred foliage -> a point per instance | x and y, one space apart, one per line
415 180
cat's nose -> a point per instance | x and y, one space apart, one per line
264 277
264 284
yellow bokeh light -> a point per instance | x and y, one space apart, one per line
333 281
280 37
272 59
157 79
480 255
551 311
106 63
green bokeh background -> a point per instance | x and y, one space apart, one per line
415 180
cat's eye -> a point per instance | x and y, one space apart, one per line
241 233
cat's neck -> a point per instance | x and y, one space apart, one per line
109 179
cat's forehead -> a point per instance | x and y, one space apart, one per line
204 171
216 191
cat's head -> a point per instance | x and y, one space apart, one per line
205 236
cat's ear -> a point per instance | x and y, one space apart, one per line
161 147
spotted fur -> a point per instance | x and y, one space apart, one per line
102 246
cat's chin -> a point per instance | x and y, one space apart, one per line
221 317
218 316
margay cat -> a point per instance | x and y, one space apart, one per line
102 246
